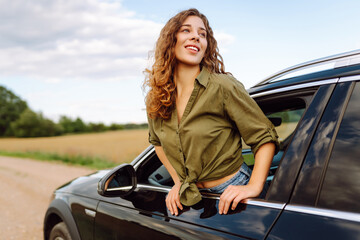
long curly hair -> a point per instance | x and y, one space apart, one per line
160 99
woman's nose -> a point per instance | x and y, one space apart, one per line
195 37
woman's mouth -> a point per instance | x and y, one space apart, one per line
193 48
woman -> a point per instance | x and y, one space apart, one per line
198 115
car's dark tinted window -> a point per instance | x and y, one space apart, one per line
285 111
285 121
285 114
341 187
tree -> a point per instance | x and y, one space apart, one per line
11 106
31 124
97 127
115 126
72 126
79 126
67 124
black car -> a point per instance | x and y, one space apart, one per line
314 180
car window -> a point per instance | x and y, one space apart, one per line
341 185
151 171
285 111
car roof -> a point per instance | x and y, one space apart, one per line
328 68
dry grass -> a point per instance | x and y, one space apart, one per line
115 146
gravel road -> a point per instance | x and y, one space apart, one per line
25 190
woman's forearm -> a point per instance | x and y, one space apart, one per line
263 159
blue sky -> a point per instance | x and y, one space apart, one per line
84 58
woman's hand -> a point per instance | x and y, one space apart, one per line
234 194
173 200
173 197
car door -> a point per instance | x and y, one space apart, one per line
325 203
143 213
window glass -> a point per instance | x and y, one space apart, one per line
289 119
285 114
341 186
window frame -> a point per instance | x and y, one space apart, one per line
313 210
342 115
270 200
284 180
315 161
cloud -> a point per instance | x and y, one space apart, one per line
224 40
83 39
55 47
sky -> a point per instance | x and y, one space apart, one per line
85 58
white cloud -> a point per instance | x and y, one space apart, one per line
83 39
224 40
53 48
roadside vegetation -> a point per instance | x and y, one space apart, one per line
18 120
25 133
90 162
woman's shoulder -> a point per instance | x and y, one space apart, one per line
226 81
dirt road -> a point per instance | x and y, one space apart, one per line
25 190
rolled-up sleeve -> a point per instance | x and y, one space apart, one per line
254 127
153 138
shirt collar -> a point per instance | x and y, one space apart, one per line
203 77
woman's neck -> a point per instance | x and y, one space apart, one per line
185 76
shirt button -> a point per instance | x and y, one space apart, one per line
177 132
180 150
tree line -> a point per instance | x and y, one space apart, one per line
18 120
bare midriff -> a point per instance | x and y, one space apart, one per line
214 183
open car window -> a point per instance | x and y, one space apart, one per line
151 171
285 111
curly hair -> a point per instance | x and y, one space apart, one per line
160 99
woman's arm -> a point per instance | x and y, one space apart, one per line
173 198
235 194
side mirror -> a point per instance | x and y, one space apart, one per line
119 182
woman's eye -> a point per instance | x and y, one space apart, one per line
202 34
185 30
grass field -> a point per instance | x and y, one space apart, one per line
96 150
113 146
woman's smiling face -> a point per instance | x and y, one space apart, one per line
191 41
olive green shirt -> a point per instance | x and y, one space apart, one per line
206 144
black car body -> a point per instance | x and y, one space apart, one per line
314 181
